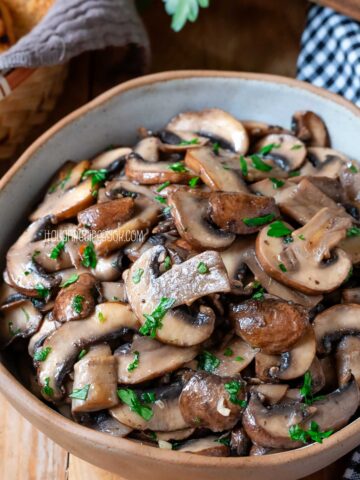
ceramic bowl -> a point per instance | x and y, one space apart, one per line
113 118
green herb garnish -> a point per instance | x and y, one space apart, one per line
282 267
89 259
193 182
296 147
260 164
148 397
299 435
137 275
47 390
135 363
82 354
353 232
13 332
74 278
178 167
301 237
276 182
101 317
353 169
243 166
42 291
41 354
305 390
77 303
295 173
259 293
160 199
80 393
207 361
267 148
223 441
228 352
239 359
97 176
154 320
162 186
185 143
130 398
258 221
233 389
216 147
202 268
56 251
167 262
278 229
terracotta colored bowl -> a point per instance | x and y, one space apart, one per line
112 119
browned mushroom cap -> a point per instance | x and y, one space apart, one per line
271 393
96 374
189 210
287 151
166 414
288 365
351 295
258 130
229 210
334 323
310 263
145 215
234 357
310 129
150 173
62 205
154 359
19 320
240 443
324 162
218 172
302 201
214 124
348 360
206 402
208 446
334 410
184 284
108 214
110 160
270 324
269 426
109 321
84 289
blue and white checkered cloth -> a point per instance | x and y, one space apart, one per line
330 53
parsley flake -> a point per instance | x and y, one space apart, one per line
154 320
42 291
137 275
131 399
233 389
202 268
207 361
353 232
193 141
80 393
135 363
162 186
41 354
47 390
228 352
276 182
74 278
278 229
178 167
300 435
77 303
193 182
282 267
258 221
243 166
89 259
260 164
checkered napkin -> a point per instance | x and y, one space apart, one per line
330 53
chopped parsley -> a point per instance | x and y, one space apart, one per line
305 390
202 268
130 398
101 317
258 221
35 254
178 167
80 393
353 232
82 354
223 441
167 210
167 262
295 173
259 293
300 435
193 182
207 361
260 164
41 354
42 291
278 229
137 275
267 148
56 251
239 359
301 237
74 278
47 390
148 397
296 147
282 267
228 352
26 314
193 141
77 303
154 320
243 166
276 182
233 389
162 186
135 363
353 169
216 148
13 332
97 176
160 199
89 259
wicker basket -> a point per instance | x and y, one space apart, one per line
28 105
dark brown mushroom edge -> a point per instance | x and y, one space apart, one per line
198 291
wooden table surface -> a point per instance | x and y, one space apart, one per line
248 35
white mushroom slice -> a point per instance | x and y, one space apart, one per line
287 151
351 295
154 360
148 149
103 422
215 124
180 141
189 211
334 323
258 130
310 263
166 414
208 446
310 128
108 268
272 393
64 205
47 327
324 162
348 360
269 426
119 188
183 284
218 172
150 173
110 320
19 320
96 380
288 365
176 435
111 159
113 292
69 175
351 245
234 357
270 188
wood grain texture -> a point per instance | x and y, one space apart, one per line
351 8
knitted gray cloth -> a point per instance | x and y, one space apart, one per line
75 26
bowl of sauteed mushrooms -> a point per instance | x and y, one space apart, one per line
181 278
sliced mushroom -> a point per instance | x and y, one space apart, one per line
109 321
69 175
111 160
334 323
64 205
47 327
113 292
310 263
107 215
148 149
206 402
273 325
189 211
234 357
19 320
215 124
166 414
218 172
151 173
120 188
257 451
310 129
287 151
257 130
348 360
351 295
95 375
65 307
271 393
184 284
154 360
209 446
176 435
109 268
324 162
288 365
351 245
229 210
270 187
103 422
318 379
180 141
269 426
240 443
